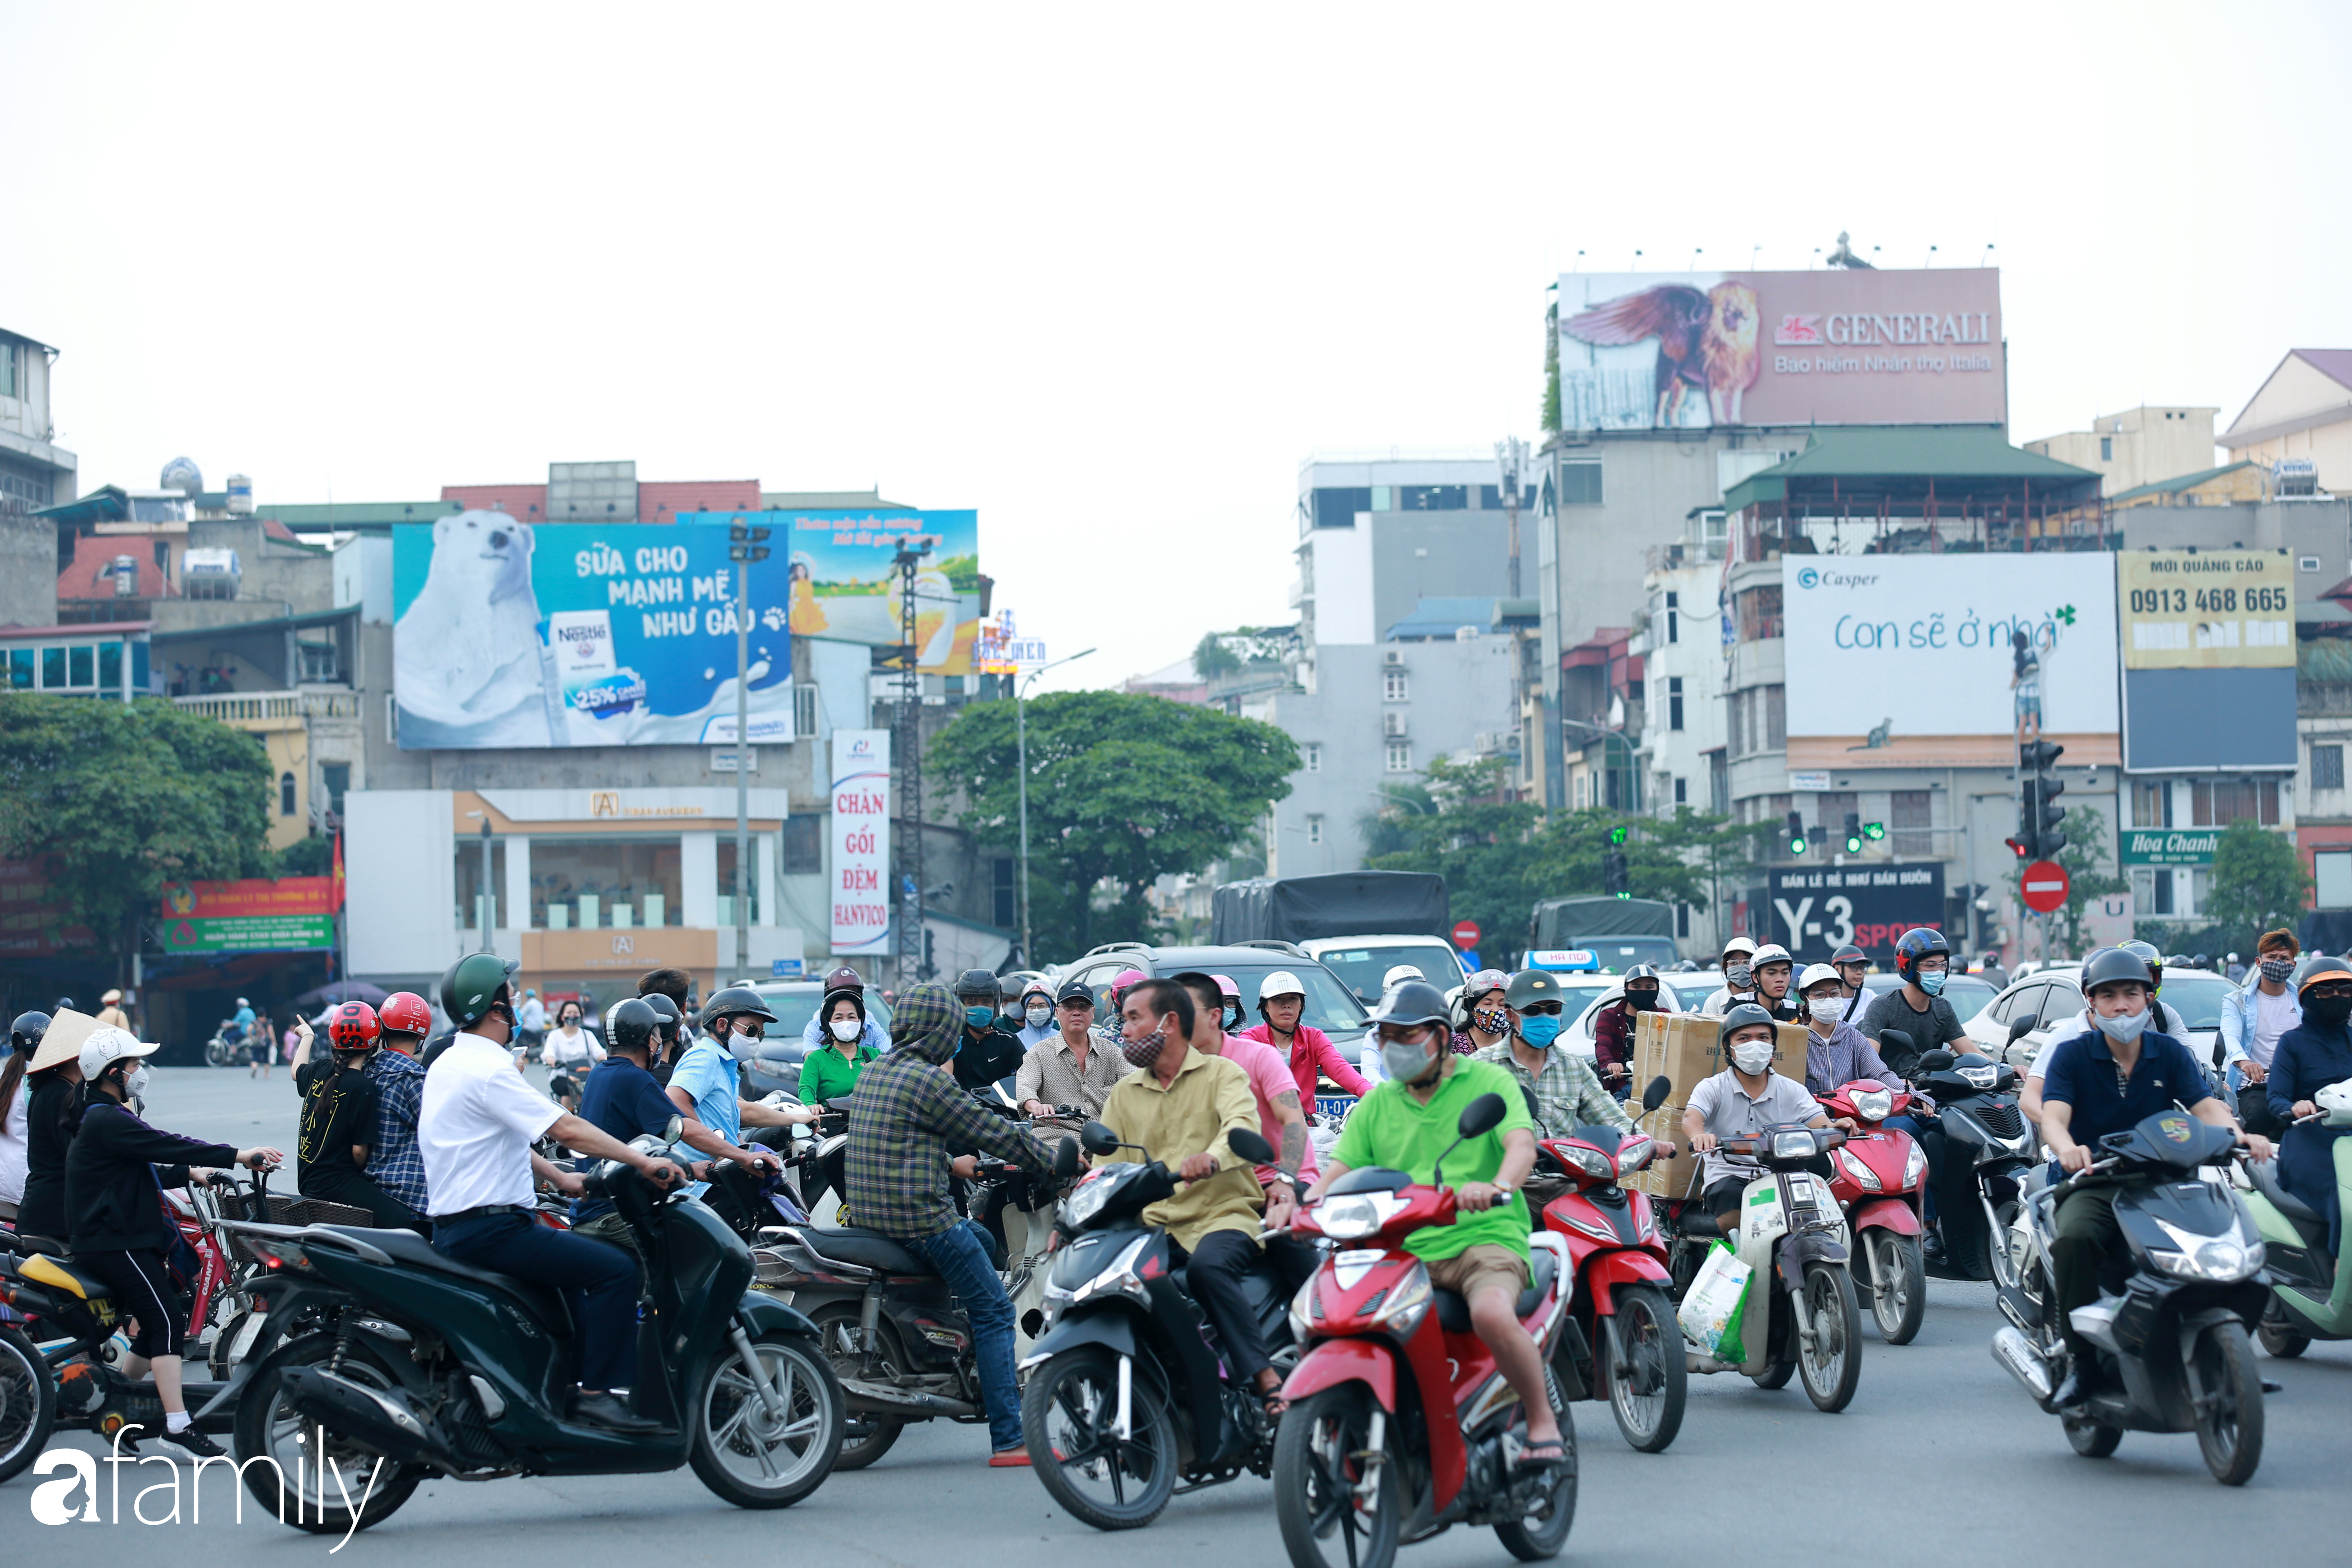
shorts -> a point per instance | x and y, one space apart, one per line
1724 1196
1478 1267
141 1287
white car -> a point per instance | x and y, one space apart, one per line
1608 991
2052 996
1361 962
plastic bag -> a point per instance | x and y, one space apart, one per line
1709 1315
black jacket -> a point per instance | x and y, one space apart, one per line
995 1052
50 1117
112 1187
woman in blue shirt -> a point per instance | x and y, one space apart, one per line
2309 1058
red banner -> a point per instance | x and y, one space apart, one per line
249 895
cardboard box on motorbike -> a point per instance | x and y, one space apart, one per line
1686 1047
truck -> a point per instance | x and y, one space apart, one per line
1344 903
1620 932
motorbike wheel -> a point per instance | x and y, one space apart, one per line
2091 1439
1069 1415
1542 1531
2276 1338
2232 1437
1777 1376
753 1458
1831 1372
1898 1285
1649 1406
268 1427
1332 1514
219 1054
866 1438
28 1401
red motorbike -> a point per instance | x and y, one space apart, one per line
1622 1341
1399 1423
1877 1176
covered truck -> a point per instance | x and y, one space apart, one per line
1345 903
1621 932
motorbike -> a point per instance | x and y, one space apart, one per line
2311 1293
1400 1425
1989 1148
1619 1340
422 1366
1792 1236
2174 1304
227 1047
1128 1391
1877 1176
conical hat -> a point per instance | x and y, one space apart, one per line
62 1041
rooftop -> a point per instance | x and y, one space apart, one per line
1434 619
2176 485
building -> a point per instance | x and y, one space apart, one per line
2302 415
2142 447
35 471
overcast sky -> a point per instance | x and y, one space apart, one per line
1108 275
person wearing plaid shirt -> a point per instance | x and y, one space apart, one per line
1566 1091
908 1111
394 1161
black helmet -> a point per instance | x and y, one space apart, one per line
65 1004
2146 952
1531 986
631 1025
25 1034
1914 944
473 986
977 983
666 1010
2202 960
1745 1016
736 1000
843 978
1412 1002
1849 953
2111 965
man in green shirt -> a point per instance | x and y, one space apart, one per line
1406 1124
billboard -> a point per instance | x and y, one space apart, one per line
1906 660
513 634
860 822
1815 912
1650 351
845 588
254 915
2206 609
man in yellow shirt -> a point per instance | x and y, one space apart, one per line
1180 1108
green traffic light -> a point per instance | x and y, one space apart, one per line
1624 895
1796 847
1617 834
1853 843
1874 831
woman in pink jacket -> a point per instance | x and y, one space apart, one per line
1280 1001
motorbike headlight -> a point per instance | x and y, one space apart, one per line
1591 1162
2221 1259
1863 1176
1401 1313
1349 1219
1915 1166
1794 1145
1302 1325
1874 1107
1086 1202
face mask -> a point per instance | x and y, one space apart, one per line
1409 1060
1039 1016
2277 970
1931 982
1143 1053
135 1084
1643 1001
1827 1008
1739 977
1539 1030
846 1029
2328 1012
1492 1020
2126 1027
980 1017
1751 1056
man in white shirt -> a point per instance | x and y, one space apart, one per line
475 1130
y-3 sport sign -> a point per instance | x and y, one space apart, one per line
1815 912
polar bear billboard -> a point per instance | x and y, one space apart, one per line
510 634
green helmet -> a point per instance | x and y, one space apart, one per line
472 984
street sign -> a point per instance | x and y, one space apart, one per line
2044 886
1465 934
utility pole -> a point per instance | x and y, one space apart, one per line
1511 461
482 893
908 745
743 547
1021 730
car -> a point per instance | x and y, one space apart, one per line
1363 962
774 1062
2052 995
1577 1035
1331 1006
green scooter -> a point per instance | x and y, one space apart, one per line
2311 1294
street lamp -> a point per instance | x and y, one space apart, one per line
743 548
483 898
1021 729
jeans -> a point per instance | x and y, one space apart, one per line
598 1281
2083 1233
960 1253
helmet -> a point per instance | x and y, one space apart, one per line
1281 983
1037 987
666 1010
1225 986
1129 977
1640 972
1849 953
404 1013
1770 952
845 979
243 1003
976 982
630 1026
1738 944
473 984
1746 1016
732 1000
1400 971
105 1046
2318 968
1484 982
25 1032
1914 944
2202 960
2112 965
1531 986
352 1026
113 996
1411 1002
1814 974
2146 952
853 994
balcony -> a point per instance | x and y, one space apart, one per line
258 707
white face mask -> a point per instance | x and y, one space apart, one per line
846 1029
1039 1016
2124 1026
1827 1008
1752 1057
134 1083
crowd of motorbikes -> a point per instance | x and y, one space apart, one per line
779 1343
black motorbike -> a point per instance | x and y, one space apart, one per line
1988 1149
1128 1391
424 1366
2176 1303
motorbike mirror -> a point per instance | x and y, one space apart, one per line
1655 1094
1096 1139
674 1129
1251 1146
2023 1027
1936 1061
1066 1158
1895 1039
1482 1115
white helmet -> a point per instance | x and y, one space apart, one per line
107 1045
1400 971
1814 974
1770 952
1738 944
1281 983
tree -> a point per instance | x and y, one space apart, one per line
1123 789
2083 860
2258 882
1212 657
115 799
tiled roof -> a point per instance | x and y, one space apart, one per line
91 576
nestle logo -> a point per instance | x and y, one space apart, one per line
1797 331
583 634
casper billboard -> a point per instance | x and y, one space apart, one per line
1906 661
1642 351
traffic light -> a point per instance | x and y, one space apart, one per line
1853 833
1796 833
1617 834
1874 831
1613 879
2039 815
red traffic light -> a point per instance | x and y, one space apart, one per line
2018 848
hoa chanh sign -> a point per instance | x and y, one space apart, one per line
2167 846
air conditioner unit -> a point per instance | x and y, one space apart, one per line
1393 658
1392 723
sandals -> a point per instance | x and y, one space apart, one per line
1534 1457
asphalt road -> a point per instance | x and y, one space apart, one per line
1940 1460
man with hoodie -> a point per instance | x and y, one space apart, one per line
908 1112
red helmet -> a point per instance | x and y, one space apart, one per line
404 1013
352 1028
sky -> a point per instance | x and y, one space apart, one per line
1107 274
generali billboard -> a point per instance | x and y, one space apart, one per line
1644 351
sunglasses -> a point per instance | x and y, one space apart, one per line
2336 989
1540 1010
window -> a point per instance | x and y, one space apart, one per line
2106 449
82 665
8 351
1682 912
727 887
1393 722
1001 889
321 663
1673 702
1759 613
1912 811
590 884
469 884
285 795
1393 686
1832 805
1311 754
109 666
1399 756
2152 888
2327 767
1381 498
1682 791
1314 827
2151 803
337 777
1718 783
2220 803
1433 498
20 668
2332 876
53 669
1674 617
1776 717
1580 483
803 845
1490 498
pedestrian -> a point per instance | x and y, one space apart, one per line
110 1012
243 1024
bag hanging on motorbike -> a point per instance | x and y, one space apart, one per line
1710 1311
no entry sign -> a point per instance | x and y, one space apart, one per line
1465 934
2044 886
